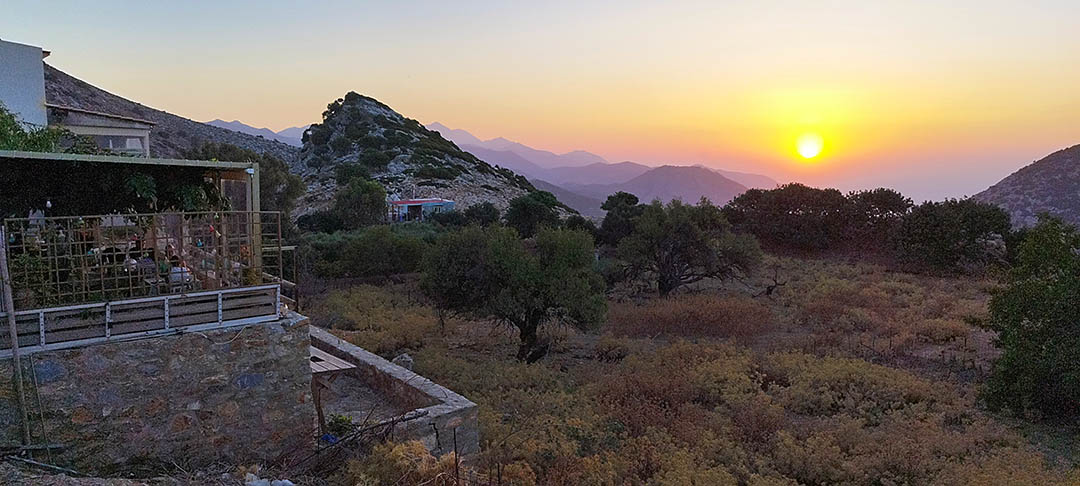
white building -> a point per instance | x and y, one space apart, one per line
22 82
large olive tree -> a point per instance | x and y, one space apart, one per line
678 244
489 273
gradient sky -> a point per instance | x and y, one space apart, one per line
937 99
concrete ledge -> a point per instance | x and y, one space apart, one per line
441 411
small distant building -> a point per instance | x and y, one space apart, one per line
418 209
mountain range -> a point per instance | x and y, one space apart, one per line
583 180
291 135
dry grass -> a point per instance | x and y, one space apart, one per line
692 316
804 410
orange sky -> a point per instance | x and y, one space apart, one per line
936 100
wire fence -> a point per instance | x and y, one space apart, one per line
62 261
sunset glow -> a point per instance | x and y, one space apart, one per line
809 145
901 94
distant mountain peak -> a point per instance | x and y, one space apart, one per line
239 126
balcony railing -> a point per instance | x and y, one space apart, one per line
103 277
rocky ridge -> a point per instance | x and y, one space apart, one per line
410 161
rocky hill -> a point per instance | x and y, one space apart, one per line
1050 185
171 136
362 134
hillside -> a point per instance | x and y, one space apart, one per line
751 181
171 136
669 182
1051 184
598 173
360 133
587 206
510 160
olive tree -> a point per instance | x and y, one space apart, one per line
679 244
488 273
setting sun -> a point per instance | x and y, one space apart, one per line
809 145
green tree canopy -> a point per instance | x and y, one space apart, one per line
360 203
622 209
678 244
13 136
953 236
1037 318
530 212
278 189
483 214
792 216
489 273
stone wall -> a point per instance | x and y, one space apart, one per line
439 414
236 396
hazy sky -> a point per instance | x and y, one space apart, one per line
933 98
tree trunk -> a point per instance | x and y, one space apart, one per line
530 349
666 284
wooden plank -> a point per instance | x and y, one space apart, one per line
327 361
137 326
74 334
120 316
317 367
206 318
73 319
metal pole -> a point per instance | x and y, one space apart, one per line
9 307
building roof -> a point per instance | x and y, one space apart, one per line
430 200
11 155
98 113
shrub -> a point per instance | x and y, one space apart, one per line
941 330
379 251
1037 318
533 211
692 316
483 214
611 349
831 386
953 236
403 463
377 320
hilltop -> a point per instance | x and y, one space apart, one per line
361 134
1051 184
171 136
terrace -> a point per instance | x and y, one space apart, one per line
78 280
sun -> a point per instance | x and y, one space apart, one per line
809 145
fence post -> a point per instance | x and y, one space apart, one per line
9 307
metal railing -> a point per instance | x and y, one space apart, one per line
99 277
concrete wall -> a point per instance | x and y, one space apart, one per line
439 411
234 396
22 82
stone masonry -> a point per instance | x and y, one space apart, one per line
237 396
